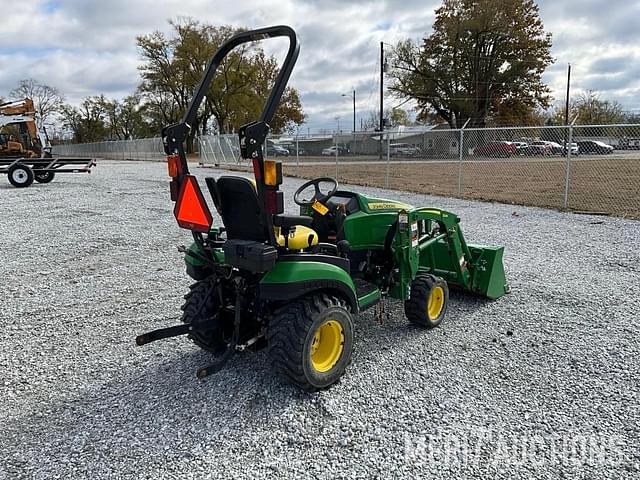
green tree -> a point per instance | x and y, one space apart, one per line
264 70
512 112
481 53
399 116
127 119
87 122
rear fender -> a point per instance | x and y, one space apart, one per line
290 280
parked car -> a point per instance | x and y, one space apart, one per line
497 149
291 147
521 147
594 146
539 148
575 149
403 150
274 150
556 148
332 151
629 144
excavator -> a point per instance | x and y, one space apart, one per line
30 158
34 142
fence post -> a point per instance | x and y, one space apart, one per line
203 158
216 163
386 179
461 151
567 180
461 141
337 148
297 153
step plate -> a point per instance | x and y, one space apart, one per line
368 293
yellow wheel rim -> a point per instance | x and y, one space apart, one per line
327 346
435 303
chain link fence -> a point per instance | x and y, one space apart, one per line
594 168
149 149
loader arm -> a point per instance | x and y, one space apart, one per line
431 241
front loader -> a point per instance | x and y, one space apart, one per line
293 283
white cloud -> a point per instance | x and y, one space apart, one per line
87 47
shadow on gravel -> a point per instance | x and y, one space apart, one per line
148 406
156 406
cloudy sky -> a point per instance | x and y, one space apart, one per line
87 47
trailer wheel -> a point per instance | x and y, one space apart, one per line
310 341
20 175
202 303
44 177
428 303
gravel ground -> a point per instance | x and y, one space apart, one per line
542 383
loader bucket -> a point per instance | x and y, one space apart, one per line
489 278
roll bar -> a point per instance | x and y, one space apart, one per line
175 135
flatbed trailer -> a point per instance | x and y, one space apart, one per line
22 171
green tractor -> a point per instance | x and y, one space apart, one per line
293 283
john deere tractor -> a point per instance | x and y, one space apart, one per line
293 283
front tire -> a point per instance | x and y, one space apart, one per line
310 341
20 176
428 303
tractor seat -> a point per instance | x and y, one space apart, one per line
237 201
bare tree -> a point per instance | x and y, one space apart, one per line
47 100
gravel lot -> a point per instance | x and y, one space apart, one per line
542 383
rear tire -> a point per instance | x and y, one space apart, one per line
428 303
202 303
310 341
20 176
44 177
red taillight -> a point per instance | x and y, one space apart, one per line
191 211
173 165
273 201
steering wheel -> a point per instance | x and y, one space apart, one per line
318 195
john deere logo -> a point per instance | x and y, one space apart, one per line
387 205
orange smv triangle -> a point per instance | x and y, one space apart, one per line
191 211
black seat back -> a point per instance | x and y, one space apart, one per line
240 210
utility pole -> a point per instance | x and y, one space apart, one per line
566 108
354 110
381 95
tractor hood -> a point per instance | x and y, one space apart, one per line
380 205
